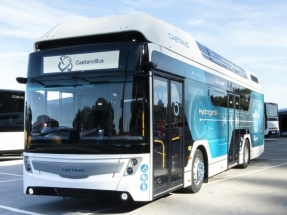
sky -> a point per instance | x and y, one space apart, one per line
250 33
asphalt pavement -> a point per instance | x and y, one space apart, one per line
259 189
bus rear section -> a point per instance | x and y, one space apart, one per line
271 119
11 121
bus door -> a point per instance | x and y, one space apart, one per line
233 130
168 138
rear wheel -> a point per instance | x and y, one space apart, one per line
197 173
246 154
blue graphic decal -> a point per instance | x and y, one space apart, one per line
144 168
144 177
257 116
215 123
143 186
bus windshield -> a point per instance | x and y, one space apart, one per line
271 111
89 99
95 115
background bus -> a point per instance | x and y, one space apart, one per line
133 107
11 121
282 113
271 119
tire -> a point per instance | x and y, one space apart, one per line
246 154
197 173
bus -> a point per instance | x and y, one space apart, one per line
271 119
130 107
11 121
282 114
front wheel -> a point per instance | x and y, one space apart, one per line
197 173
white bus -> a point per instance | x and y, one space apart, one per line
132 107
271 119
11 121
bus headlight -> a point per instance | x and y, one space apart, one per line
130 171
132 166
134 162
27 164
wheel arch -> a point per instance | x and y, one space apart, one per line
247 138
250 148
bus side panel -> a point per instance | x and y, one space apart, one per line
205 121
209 124
256 111
11 142
215 165
218 167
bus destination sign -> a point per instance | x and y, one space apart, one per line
81 62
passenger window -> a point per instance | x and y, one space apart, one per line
218 98
245 101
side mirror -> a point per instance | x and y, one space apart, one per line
150 65
21 80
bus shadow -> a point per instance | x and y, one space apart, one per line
72 206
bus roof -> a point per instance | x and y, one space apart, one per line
154 30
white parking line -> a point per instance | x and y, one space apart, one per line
4 173
19 211
11 180
11 163
248 173
273 144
